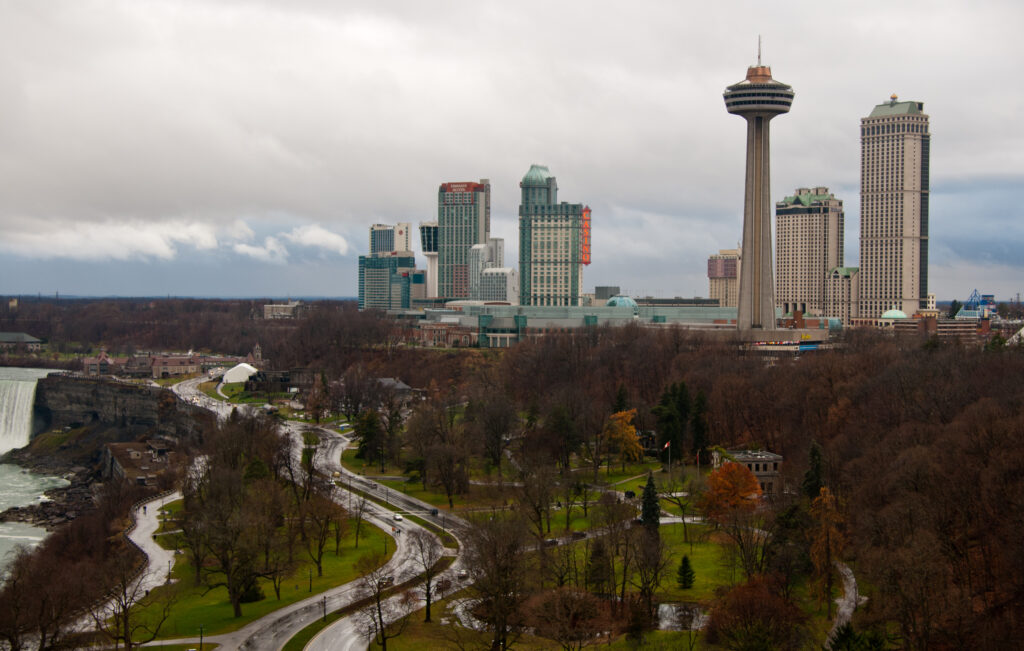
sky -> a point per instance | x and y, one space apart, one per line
243 148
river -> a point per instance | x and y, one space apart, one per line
19 487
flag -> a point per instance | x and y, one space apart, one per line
667 443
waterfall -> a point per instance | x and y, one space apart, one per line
17 395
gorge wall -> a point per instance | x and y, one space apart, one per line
134 410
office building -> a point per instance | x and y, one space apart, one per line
894 209
499 284
481 257
428 242
757 99
385 238
724 277
554 243
808 245
386 281
463 219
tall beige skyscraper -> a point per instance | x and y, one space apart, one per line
894 209
808 245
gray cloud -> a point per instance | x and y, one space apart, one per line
159 127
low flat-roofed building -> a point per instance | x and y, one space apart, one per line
140 463
763 464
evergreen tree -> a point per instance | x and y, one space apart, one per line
699 427
599 569
673 417
650 508
621 400
814 477
685 575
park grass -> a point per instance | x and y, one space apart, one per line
195 605
710 561
210 389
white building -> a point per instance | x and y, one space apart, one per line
499 284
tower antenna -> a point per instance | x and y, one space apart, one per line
758 50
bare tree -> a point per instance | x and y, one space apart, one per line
320 516
426 552
496 555
382 618
131 614
650 562
573 618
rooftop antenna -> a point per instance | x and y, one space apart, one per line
758 50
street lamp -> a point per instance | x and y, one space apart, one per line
325 607
200 637
169 570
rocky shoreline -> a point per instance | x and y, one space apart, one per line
63 503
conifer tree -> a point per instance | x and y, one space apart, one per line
650 508
685 576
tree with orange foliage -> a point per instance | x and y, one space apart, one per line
731 503
621 435
827 540
731 487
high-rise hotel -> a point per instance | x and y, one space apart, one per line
894 209
463 219
554 243
808 245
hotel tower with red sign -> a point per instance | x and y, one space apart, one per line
554 243
463 219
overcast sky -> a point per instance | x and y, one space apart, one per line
243 148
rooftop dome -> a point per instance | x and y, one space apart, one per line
621 301
894 314
538 175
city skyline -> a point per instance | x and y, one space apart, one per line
243 149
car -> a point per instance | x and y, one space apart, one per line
551 542
398 517
579 535
387 581
463 574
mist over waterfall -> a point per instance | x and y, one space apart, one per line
17 393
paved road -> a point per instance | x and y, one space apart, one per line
270 633
347 633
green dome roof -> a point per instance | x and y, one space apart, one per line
894 314
538 175
621 301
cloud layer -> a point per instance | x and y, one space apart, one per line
277 133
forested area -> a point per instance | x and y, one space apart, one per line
903 457
916 479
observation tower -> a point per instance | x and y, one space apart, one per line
757 99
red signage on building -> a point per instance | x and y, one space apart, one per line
462 187
586 235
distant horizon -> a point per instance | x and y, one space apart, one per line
88 297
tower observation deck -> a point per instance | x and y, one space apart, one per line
757 99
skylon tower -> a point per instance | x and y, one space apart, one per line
757 99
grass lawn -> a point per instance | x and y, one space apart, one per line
709 560
214 611
210 389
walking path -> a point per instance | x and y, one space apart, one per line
850 599
159 560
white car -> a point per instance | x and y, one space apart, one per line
398 517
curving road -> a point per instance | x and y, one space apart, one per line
271 632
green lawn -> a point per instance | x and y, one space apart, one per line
212 609
709 561
210 389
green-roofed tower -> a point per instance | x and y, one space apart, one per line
808 243
895 152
